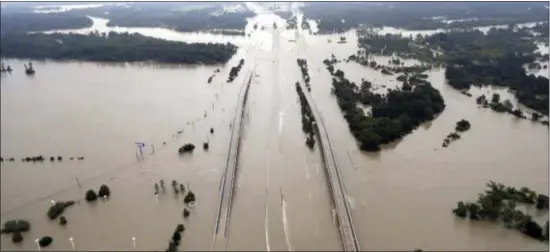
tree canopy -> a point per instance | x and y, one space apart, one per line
421 16
113 47
394 115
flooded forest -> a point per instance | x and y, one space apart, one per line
364 126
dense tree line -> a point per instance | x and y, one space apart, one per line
394 44
417 15
114 47
180 16
23 22
498 204
394 115
187 21
497 58
472 58
308 121
302 63
228 32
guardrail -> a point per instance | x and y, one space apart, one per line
345 223
227 184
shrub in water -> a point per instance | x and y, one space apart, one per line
104 191
16 237
58 208
176 237
91 196
542 201
182 188
190 197
172 247
14 226
186 213
45 241
62 220
186 148
461 210
180 228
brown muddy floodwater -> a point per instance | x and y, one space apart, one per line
401 198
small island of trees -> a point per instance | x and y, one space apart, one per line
461 126
498 204
394 115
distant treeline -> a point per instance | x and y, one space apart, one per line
16 22
472 57
422 15
112 47
184 17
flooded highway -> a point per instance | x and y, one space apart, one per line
400 198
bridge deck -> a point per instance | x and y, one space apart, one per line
344 219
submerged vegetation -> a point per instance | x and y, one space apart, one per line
415 15
498 204
112 47
302 63
393 116
308 121
497 58
234 72
461 126
185 149
58 208
15 226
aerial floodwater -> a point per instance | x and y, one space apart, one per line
259 169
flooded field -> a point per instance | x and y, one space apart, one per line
401 198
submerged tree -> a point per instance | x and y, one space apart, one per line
91 195
104 191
